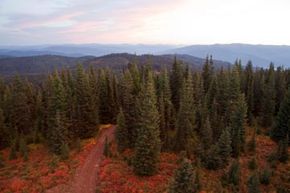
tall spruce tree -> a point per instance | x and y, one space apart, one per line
269 95
121 132
183 181
282 128
166 109
147 148
176 80
249 91
185 134
128 102
86 106
58 133
207 73
237 125
224 144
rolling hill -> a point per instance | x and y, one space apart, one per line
37 65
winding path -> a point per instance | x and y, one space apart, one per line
85 179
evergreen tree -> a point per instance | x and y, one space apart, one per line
249 91
281 129
253 184
58 132
237 125
206 133
58 135
207 73
19 115
147 146
269 95
213 160
103 91
86 106
224 144
183 181
185 135
121 132
280 87
129 106
234 173
166 109
176 81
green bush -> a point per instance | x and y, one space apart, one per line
265 176
252 165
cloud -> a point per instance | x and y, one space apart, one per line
143 21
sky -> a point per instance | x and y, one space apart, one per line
182 22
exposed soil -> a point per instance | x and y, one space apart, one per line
85 179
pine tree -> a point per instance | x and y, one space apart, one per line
234 173
183 181
148 144
121 132
19 116
237 125
249 91
58 132
269 95
166 110
176 81
281 129
224 144
185 135
103 97
86 105
207 73
129 106
253 184
280 87
213 160
206 133
58 135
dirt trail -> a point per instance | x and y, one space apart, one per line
85 179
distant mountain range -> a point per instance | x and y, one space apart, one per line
38 65
261 55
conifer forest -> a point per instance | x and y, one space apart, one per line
173 129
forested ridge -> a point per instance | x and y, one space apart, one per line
202 115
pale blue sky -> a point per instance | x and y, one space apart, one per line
26 22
